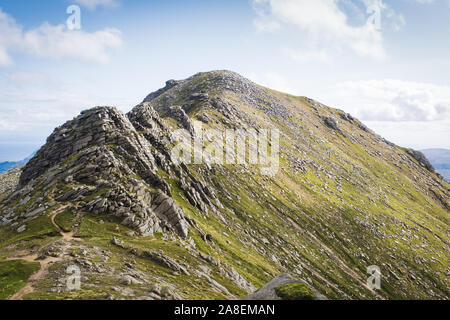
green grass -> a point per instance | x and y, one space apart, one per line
92 228
65 220
299 211
14 275
294 291
40 228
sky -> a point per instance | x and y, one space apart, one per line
387 62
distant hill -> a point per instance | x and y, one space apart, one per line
8 165
440 159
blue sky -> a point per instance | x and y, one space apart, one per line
393 76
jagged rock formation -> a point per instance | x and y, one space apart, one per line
169 85
268 292
420 157
342 199
100 152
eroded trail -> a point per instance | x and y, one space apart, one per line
67 238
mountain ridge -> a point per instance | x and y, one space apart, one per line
440 158
343 199
8 165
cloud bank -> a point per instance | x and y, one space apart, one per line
323 21
396 100
55 41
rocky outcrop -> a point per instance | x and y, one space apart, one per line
100 155
165 261
98 127
421 158
107 163
268 292
330 122
169 85
242 227
180 115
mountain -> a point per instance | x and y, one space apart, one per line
8 165
440 158
108 199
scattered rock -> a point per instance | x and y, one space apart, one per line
129 280
330 122
207 237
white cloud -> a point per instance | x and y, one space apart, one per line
31 114
395 100
414 134
58 42
326 24
5 59
10 36
55 41
324 21
304 56
7 125
23 79
92 4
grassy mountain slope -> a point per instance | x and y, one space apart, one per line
343 199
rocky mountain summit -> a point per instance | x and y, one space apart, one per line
104 194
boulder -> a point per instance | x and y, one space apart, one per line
330 122
273 289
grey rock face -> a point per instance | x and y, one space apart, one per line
34 212
165 261
99 126
347 117
101 155
231 274
180 115
128 280
113 159
252 95
169 85
167 210
268 291
330 122
421 158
